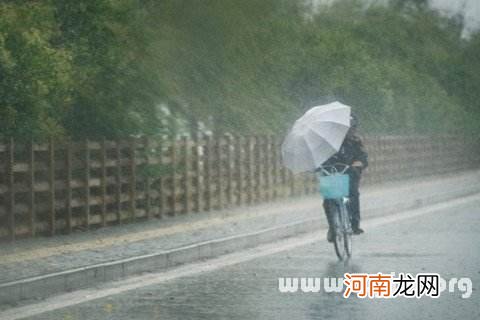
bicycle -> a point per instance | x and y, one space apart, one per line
334 185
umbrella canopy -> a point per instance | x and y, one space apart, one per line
315 137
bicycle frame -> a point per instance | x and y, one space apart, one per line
342 228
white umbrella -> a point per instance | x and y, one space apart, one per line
315 137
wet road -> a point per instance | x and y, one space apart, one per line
445 241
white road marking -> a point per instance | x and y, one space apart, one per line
117 287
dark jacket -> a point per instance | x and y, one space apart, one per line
351 150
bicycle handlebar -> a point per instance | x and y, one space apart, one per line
334 169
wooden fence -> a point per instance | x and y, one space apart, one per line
57 187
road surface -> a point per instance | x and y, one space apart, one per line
444 240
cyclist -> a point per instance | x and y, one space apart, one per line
352 153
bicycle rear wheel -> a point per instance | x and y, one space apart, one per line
347 229
347 240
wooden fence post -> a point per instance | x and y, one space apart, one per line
268 167
118 181
103 181
368 174
219 166
161 183
275 162
51 182
376 156
230 148
249 163
9 169
306 183
133 178
31 186
68 185
198 173
404 157
173 158
87 184
411 160
187 194
239 164
411 157
291 179
148 200
258 167
207 180
381 160
285 181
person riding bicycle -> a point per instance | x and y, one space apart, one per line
352 153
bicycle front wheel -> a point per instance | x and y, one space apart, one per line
339 239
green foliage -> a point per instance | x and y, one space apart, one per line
76 68
228 60
108 40
103 68
35 75
255 66
390 66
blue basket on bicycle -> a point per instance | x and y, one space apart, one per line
334 186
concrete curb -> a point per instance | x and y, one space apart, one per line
40 287
47 285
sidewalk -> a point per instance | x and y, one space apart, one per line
37 268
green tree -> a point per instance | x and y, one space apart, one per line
35 75
115 92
